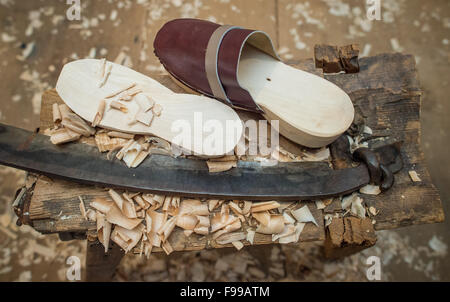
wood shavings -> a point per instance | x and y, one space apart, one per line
414 176
118 106
141 202
264 206
116 198
193 207
145 118
125 238
132 154
105 76
57 118
64 110
288 218
370 190
82 208
157 220
102 205
238 245
358 209
288 230
120 90
129 209
116 134
62 136
99 114
167 228
320 205
167 247
303 214
203 225
275 225
220 166
187 222
144 102
105 143
77 124
157 109
91 215
115 216
353 203
262 217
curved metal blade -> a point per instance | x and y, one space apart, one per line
166 175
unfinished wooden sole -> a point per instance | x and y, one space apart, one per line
311 111
78 85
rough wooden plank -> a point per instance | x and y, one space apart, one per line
348 235
387 93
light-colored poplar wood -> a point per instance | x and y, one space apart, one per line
78 87
311 110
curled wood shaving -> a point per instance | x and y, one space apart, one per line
115 216
145 118
125 238
116 198
157 109
57 118
370 190
62 136
145 103
275 226
91 215
116 134
414 176
262 217
219 166
102 205
203 225
105 76
288 230
264 206
187 222
64 110
212 204
118 106
141 202
77 124
193 207
157 220
120 90
105 143
167 247
100 112
165 231
303 214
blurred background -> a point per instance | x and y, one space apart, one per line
37 39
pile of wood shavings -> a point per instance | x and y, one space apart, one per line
146 221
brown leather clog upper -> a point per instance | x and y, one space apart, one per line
204 56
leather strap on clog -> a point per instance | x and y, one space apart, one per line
211 58
204 56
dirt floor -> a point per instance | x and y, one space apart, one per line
37 39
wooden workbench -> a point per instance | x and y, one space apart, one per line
386 94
